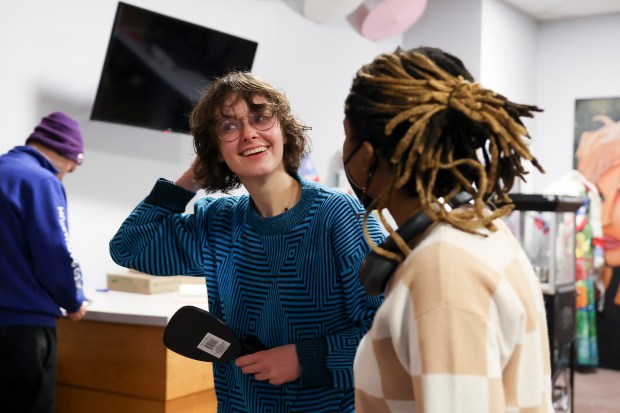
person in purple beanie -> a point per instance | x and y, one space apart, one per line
39 275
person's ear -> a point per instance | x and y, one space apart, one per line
368 153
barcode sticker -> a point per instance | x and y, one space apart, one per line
213 345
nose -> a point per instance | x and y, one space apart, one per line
248 131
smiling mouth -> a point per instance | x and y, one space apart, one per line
610 243
254 151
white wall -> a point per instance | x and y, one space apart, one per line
576 59
52 53
507 61
508 44
453 26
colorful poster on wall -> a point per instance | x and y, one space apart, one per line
597 157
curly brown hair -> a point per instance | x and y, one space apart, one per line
441 134
210 172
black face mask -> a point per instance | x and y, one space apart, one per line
360 192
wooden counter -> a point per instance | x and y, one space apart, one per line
115 361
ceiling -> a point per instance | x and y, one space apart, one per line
563 9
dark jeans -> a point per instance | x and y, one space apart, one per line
27 369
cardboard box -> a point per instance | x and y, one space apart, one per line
137 282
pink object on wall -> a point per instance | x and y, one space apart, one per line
390 17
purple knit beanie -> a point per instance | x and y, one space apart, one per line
60 133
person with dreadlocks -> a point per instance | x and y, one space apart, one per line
463 324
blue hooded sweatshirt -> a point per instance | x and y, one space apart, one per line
38 273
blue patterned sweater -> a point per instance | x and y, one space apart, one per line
286 279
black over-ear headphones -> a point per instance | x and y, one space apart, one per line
376 270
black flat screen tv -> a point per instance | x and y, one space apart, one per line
156 67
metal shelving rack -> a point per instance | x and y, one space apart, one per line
545 226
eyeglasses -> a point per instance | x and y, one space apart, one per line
229 129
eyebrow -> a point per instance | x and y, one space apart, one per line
254 108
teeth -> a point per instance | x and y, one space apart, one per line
253 151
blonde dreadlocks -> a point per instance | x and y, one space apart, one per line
422 110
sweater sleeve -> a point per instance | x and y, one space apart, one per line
158 237
47 231
329 361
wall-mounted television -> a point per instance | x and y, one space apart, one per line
156 67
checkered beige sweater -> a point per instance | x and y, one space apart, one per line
462 329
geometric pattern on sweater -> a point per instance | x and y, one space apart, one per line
285 279
462 329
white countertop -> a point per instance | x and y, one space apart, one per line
142 309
